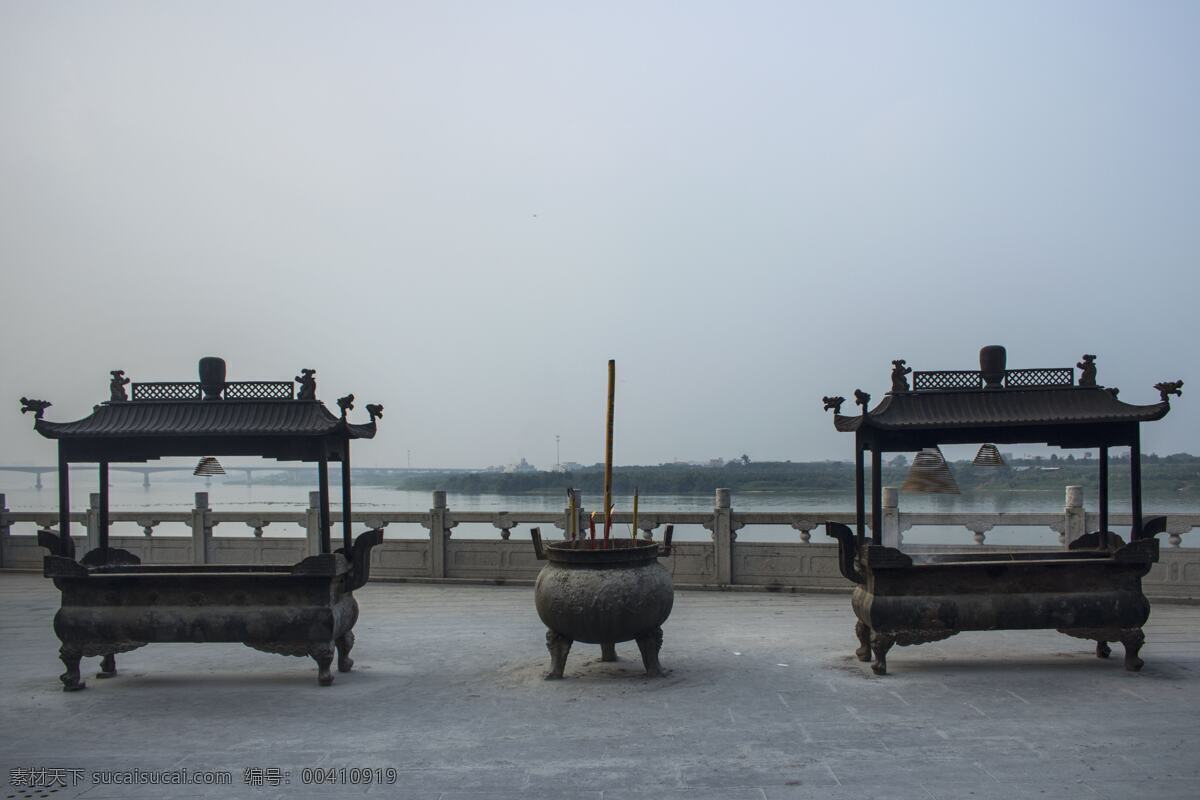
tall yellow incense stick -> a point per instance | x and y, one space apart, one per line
608 444
633 533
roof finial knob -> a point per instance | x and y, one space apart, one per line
993 360
212 377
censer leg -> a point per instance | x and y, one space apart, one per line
863 653
1102 649
1133 639
881 643
346 641
71 656
108 666
650 643
322 653
559 646
608 651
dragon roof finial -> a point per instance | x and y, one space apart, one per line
1168 388
38 407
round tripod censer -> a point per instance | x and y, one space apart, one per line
603 596
603 590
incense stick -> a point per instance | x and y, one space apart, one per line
608 445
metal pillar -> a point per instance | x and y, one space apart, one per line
103 532
876 495
860 502
1104 488
64 504
1135 481
347 533
323 487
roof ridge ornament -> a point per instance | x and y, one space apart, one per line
861 398
1087 370
38 407
375 410
308 384
116 387
212 377
993 363
1168 388
899 373
833 402
346 404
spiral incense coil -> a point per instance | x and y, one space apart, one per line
209 466
930 474
988 456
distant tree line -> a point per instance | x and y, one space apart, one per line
1178 473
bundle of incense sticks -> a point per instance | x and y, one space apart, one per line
572 517
633 527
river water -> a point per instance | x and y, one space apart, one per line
176 492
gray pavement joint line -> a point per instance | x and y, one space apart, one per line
983 769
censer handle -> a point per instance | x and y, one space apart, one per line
536 535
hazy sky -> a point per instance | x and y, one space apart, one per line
462 210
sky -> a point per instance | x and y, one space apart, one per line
462 210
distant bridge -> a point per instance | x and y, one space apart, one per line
145 472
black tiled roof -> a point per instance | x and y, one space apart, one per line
931 410
222 418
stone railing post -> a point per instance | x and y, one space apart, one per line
92 522
1074 520
439 532
723 536
201 529
5 530
312 523
891 517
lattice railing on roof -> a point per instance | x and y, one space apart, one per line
1051 376
260 390
948 379
234 390
166 391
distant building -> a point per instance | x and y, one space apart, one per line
521 466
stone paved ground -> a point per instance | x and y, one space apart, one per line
765 702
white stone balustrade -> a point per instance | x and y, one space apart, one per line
724 560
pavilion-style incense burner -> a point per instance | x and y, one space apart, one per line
1092 590
603 590
112 603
